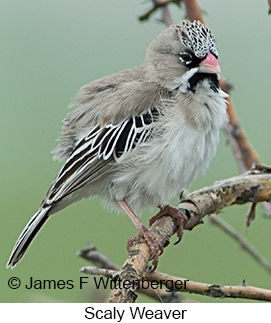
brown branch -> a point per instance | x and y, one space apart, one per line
244 152
216 291
241 291
253 186
138 258
160 4
90 253
235 148
241 240
193 10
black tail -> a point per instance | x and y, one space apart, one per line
27 236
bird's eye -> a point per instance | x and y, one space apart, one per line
186 57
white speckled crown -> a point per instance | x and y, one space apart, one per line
198 38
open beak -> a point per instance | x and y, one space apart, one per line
209 65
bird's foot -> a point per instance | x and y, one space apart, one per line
179 217
155 247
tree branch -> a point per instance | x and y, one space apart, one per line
193 10
216 291
90 253
163 5
138 258
252 186
241 291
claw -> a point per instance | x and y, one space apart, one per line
155 247
180 218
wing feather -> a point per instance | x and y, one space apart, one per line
93 154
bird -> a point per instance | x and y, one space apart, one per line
138 137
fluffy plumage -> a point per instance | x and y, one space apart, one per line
143 134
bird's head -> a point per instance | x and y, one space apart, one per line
182 56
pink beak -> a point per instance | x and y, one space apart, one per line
210 65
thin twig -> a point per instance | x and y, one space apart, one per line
214 219
90 253
216 291
246 156
241 291
235 148
95 271
156 5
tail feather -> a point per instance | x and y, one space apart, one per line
27 235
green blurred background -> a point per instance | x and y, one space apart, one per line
48 49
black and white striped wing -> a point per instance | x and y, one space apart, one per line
92 155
